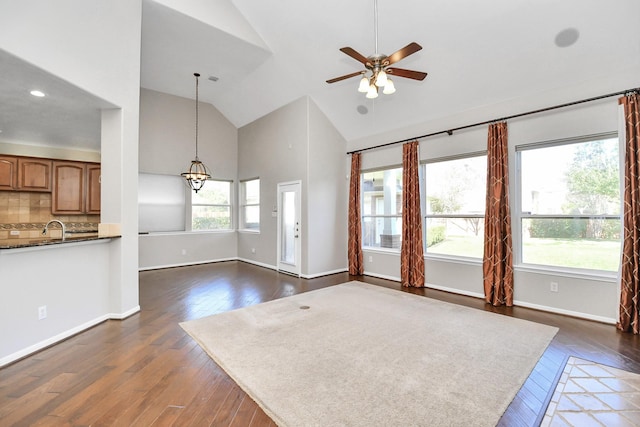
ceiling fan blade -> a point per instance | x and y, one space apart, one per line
409 49
410 74
346 76
355 55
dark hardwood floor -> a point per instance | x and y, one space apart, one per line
145 370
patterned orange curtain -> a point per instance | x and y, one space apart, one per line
411 255
354 250
497 263
630 276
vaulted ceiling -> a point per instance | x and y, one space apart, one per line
264 54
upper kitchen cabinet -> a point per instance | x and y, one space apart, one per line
93 188
8 173
34 174
76 188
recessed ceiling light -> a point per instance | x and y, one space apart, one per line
567 37
37 93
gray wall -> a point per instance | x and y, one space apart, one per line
167 146
586 295
297 142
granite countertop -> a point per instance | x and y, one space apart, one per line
44 241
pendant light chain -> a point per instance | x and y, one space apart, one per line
197 76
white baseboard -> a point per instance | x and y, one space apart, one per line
50 341
326 273
571 313
382 276
184 264
259 264
456 291
122 316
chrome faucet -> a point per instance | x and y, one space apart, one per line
44 230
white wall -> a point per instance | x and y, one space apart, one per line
167 146
95 46
76 296
591 296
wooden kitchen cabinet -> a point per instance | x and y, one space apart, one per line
93 188
76 188
8 173
68 194
34 174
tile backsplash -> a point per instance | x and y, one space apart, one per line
28 212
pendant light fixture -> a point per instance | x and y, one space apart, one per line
198 173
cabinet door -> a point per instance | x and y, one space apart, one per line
34 174
68 188
93 189
8 173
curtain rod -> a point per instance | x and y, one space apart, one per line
486 122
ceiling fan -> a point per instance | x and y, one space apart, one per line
379 66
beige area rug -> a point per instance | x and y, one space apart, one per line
363 355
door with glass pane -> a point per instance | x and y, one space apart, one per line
289 236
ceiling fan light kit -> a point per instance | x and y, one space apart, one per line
378 65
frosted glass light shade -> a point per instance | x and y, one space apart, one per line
372 92
381 79
364 85
389 88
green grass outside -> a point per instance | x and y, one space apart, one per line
578 253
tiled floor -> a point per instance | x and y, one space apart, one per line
589 394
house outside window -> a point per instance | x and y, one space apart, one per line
250 205
569 214
455 195
381 209
211 206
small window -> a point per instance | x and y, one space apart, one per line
382 209
570 204
455 206
250 205
211 206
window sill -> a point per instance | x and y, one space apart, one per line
248 231
180 233
388 251
453 259
597 275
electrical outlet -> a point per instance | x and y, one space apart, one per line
184 252
42 312
370 258
554 287
253 250
14 232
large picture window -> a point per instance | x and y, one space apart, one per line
250 205
211 206
455 205
570 204
382 208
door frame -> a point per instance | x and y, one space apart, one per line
294 269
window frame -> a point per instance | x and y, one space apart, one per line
190 204
397 216
243 204
426 216
518 215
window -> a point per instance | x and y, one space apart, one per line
570 204
455 193
382 208
250 205
211 206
